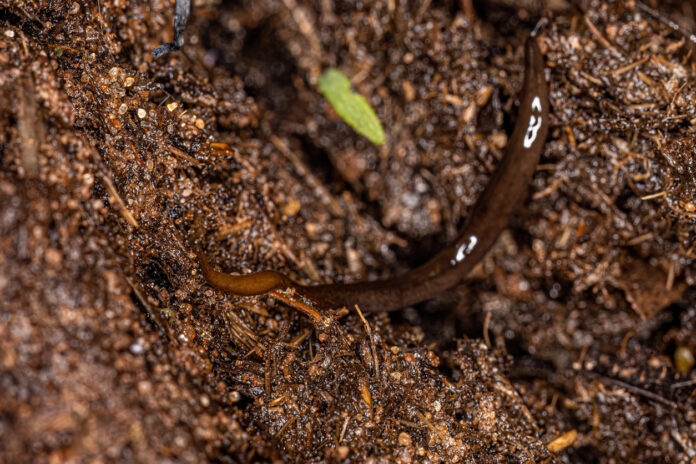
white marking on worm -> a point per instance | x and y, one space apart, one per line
536 104
534 124
464 250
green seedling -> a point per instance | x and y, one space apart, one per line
350 106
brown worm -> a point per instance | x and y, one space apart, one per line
504 193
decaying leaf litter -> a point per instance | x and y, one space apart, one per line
113 346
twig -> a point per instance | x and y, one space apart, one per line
372 342
343 429
441 434
635 390
319 189
656 14
181 14
563 442
127 215
486 322
239 330
267 372
301 17
180 154
287 424
227 230
28 126
317 318
652 196
300 338
155 314
686 383
600 38
365 392
628 67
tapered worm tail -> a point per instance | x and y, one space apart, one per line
503 195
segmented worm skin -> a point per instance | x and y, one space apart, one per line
504 194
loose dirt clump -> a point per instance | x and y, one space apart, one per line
569 343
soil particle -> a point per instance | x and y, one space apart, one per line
565 345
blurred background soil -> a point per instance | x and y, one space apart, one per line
573 341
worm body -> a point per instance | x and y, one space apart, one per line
490 215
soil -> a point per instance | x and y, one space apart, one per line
572 342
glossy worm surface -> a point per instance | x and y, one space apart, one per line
504 193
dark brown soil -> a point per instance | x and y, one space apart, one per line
560 347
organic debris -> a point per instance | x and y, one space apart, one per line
116 166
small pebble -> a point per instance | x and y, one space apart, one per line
137 348
683 359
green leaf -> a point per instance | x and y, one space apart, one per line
350 106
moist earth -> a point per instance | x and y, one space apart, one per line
572 342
